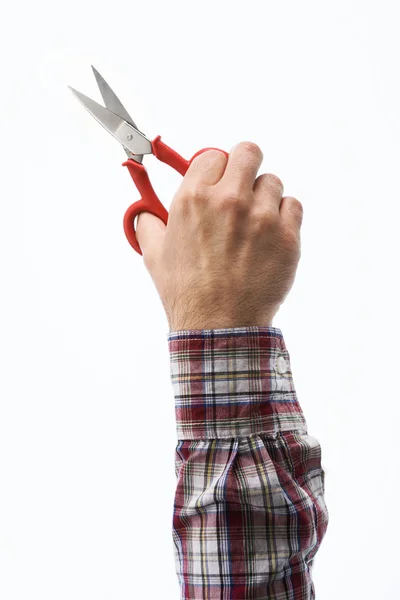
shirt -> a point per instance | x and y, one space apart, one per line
249 509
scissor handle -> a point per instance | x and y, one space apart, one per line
150 201
172 158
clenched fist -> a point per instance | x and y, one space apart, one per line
229 254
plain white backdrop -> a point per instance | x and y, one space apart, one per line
87 423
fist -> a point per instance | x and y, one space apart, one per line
229 254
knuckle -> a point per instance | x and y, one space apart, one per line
199 192
207 159
197 163
196 192
233 200
272 181
264 220
251 148
213 155
297 205
295 208
196 189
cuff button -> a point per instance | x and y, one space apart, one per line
281 364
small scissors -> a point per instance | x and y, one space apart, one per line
118 122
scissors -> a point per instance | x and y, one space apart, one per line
115 118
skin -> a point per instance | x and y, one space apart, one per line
229 254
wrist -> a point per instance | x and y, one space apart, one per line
220 324
196 322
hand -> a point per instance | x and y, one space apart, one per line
229 254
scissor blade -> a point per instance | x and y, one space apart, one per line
127 135
110 99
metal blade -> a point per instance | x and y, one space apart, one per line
127 135
110 99
114 104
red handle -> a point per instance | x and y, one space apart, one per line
169 156
172 158
150 201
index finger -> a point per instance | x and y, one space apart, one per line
207 168
243 164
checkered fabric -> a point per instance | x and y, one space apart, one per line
249 511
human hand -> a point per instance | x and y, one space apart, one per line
229 254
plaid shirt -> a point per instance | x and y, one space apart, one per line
249 511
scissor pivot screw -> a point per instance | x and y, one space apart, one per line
129 137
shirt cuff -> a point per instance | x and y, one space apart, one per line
232 382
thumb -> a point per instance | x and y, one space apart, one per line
150 233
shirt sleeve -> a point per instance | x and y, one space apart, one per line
249 511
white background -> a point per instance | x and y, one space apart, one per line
87 423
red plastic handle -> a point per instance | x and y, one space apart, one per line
150 202
172 158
